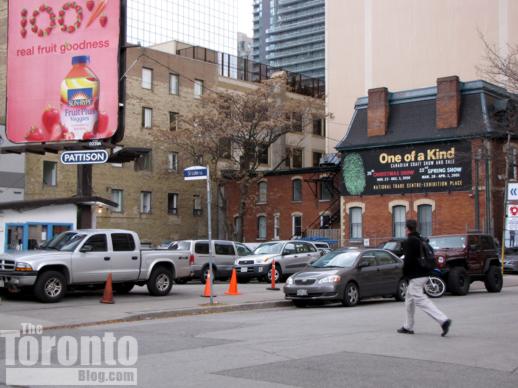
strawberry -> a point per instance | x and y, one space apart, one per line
24 33
41 33
103 20
32 21
43 8
24 12
35 13
88 136
36 134
34 29
63 28
23 22
71 29
90 5
66 6
48 30
50 118
102 123
61 13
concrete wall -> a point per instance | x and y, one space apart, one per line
406 44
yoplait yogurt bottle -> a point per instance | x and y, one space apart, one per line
79 98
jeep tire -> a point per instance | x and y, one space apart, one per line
458 281
494 279
161 281
50 287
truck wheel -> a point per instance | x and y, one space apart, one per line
160 282
50 287
494 279
123 288
458 281
205 274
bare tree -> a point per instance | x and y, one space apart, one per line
501 69
233 131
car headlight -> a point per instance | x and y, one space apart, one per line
23 267
330 279
289 281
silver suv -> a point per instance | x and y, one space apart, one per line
290 256
224 255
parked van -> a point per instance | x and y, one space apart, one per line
225 253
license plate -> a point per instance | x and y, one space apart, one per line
302 292
244 269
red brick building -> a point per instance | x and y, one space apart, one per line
437 155
289 203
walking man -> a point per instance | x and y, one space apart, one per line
417 277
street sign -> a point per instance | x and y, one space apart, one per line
84 157
512 191
195 173
512 211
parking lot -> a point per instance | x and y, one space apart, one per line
80 308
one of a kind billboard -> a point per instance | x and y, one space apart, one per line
409 169
62 70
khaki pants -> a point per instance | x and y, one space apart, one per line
415 296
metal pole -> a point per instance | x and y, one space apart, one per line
209 232
477 199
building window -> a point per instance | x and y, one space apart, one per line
424 220
316 158
144 162
318 126
398 220
237 226
198 88
276 226
147 117
296 225
296 122
196 206
172 203
296 185
262 155
297 158
173 121
261 228
325 193
174 84
147 78
355 223
263 192
172 161
50 173
325 221
117 198
145 202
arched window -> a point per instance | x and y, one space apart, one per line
261 228
398 220
263 191
355 223
296 185
424 219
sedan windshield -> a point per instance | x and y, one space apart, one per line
448 242
268 248
337 259
67 241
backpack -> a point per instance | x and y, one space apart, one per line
427 258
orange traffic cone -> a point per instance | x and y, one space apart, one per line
206 290
274 270
232 287
108 291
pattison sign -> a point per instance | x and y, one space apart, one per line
84 157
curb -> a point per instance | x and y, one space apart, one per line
215 309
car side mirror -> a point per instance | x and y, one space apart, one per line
86 248
363 264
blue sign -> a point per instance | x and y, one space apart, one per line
195 173
84 157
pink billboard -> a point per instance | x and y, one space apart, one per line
62 70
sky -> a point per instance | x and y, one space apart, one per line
245 17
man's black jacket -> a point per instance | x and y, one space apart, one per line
412 251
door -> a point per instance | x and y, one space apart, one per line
224 255
368 277
475 254
94 265
290 258
489 251
125 258
389 272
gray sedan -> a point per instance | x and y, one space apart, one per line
348 275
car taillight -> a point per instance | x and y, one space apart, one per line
191 259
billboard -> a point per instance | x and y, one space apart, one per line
62 70
409 169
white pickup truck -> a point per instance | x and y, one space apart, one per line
85 257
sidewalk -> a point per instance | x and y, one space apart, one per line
83 308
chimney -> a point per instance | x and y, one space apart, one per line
377 112
448 102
